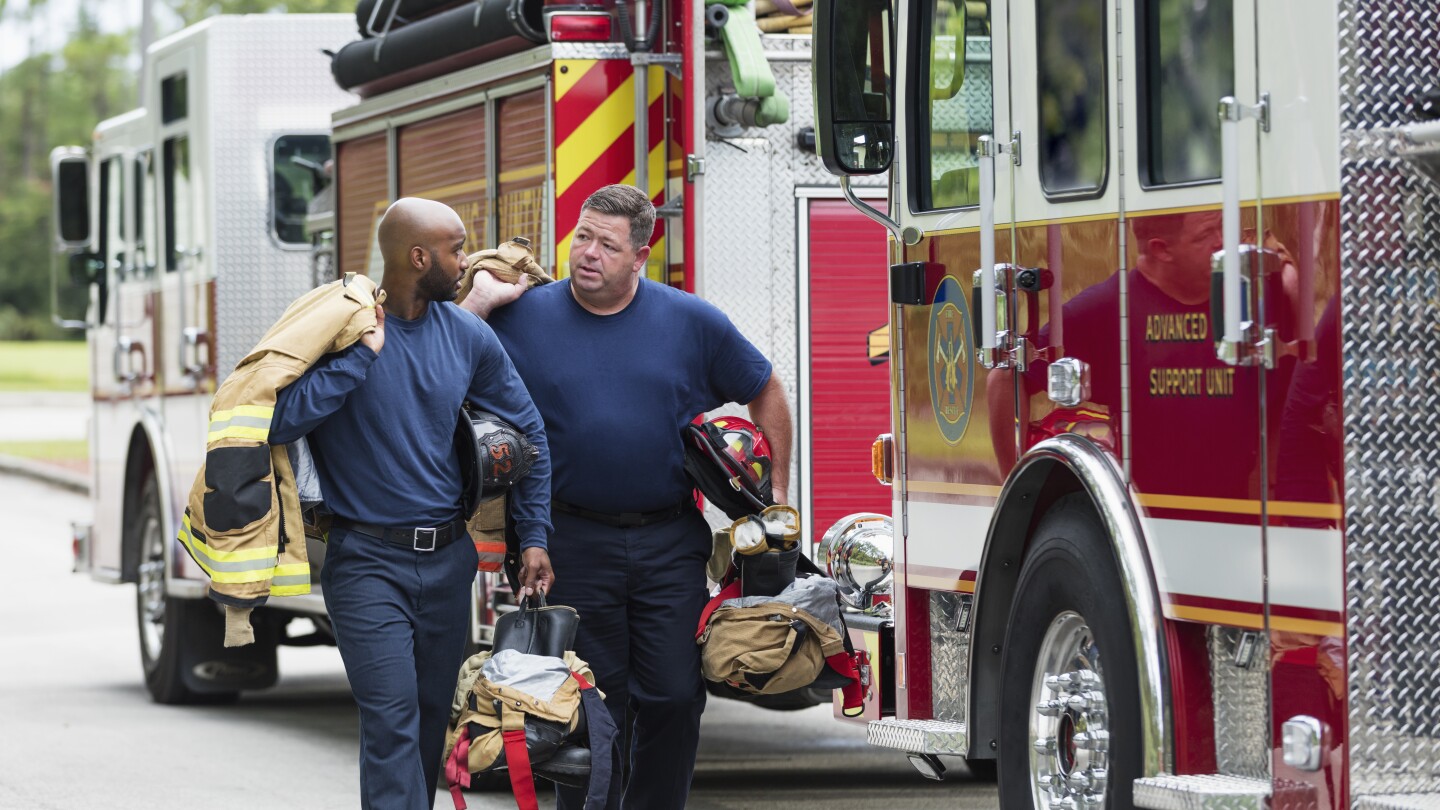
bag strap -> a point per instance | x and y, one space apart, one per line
517 756
730 591
457 768
604 753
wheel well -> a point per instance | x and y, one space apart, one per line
139 467
1025 502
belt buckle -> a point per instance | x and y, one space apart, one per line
419 533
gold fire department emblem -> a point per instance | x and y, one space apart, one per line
950 355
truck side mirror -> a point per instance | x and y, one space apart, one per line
70 173
854 85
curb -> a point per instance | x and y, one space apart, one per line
45 473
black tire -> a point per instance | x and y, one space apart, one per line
1069 610
181 640
982 770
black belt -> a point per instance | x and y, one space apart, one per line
626 520
420 538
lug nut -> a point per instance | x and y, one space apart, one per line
1078 781
1099 780
1097 741
1048 708
1045 745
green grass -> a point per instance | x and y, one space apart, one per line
48 450
44 366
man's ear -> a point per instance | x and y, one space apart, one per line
418 257
640 256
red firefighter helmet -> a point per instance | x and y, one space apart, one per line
728 458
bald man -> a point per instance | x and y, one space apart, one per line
380 418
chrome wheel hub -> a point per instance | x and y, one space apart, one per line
150 590
1069 736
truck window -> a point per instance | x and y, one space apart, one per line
144 188
297 166
1187 64
955 62
1071 92
179 202
112 222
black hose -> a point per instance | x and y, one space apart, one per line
646 43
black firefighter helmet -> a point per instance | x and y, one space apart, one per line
493 456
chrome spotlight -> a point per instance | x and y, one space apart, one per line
858 552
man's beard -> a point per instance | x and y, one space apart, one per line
436 285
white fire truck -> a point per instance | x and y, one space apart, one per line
185 219
1164 518
194 235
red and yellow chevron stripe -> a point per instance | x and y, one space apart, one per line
595 144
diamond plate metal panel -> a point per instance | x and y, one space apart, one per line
266 78
1400 801
919 736
949 658
1201 792
1242 706
749 267
1390 343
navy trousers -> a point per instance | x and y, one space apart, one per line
400 619
639 593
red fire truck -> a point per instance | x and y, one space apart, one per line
1164 474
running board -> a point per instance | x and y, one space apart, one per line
1211 791
920 736
1399 801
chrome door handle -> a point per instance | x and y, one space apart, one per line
1231 112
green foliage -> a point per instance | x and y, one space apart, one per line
54 99
193 11
47 100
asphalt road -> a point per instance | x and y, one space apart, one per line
77 728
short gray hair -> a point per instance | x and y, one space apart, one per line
625 201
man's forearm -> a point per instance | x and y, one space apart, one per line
771 412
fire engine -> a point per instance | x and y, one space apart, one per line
1162 324
517 119
185 219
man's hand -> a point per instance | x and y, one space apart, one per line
488 293
535 572
376 339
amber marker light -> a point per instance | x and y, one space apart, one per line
882 459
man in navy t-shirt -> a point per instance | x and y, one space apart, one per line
617 365
399 565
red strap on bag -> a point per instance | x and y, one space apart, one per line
851 694
517 759
730 591
457 768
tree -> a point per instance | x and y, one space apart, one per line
193 11
52 99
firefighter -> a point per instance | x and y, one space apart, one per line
618 364
399 565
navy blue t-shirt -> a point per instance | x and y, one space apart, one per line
382 426
615 390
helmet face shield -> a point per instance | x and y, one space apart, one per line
728 458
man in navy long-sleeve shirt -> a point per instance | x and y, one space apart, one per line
399 564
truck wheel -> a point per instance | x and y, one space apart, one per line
1069 705
182 640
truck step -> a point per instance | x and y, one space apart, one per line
1210 791
1399 801
920 736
